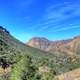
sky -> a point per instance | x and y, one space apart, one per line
53 19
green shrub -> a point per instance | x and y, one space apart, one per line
19 68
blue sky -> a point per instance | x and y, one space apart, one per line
53 19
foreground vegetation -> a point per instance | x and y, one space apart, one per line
27 67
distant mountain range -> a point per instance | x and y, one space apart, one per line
69 46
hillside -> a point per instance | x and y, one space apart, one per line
12 42
69 46
21 62
72 75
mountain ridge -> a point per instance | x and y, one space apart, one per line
52 46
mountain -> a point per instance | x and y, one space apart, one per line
13 52
40 43
69 46
19 61
12 42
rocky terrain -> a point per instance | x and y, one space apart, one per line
69 46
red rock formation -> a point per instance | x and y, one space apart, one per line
70 46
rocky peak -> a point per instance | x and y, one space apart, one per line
77 37
63 46
39 42
45 44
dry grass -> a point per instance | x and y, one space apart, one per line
72 75
5 71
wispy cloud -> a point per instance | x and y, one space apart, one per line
64 29
62 12
55 15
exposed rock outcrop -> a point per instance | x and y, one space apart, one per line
40 43
70 46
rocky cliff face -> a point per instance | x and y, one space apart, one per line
70 46
40 43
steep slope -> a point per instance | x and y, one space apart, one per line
70 46
11 51
72 75
12 42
